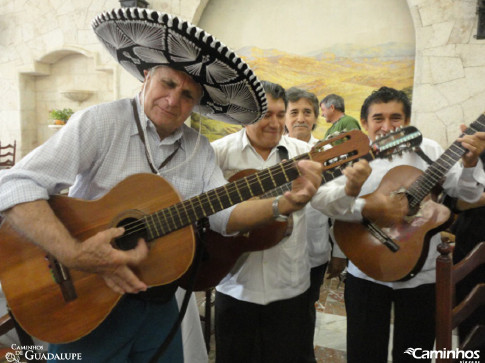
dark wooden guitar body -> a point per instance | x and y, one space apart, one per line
375 259
220 253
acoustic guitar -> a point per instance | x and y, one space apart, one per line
399 252
59 305
221 253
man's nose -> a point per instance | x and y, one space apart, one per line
173 97
387 125
273 121
300 117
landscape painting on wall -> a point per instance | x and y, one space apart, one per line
348 70
346 47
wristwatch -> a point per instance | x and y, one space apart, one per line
276 211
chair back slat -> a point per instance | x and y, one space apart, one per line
448 314
474 259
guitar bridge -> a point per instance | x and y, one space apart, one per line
63 278
378 233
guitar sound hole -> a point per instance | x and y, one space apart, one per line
134 229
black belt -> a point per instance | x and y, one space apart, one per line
157 294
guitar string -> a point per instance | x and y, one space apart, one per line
252 180
267 177
418 189
184 218
140 225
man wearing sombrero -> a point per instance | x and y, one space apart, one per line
181 66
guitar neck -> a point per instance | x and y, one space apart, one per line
189 211
436 171
327 175
353 143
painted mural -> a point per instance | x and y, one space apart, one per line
345 69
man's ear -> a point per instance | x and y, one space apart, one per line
364 124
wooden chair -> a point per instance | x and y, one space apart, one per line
7 155
448 314
7 323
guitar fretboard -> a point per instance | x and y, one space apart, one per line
327 175
436 171
189 211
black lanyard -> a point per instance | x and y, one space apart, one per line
142 137
282 152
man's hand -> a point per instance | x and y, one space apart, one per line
97 255
475 144
303 188
356 174
336 266
385 210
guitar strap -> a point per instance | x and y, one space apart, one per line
282 152
202 226
423 156
147 152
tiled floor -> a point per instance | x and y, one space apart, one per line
330 330
330 327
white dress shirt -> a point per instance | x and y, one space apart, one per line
464 183
99 147
283 271
317 231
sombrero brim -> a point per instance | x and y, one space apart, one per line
140 39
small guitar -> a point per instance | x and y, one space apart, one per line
59 305
398 253
221 253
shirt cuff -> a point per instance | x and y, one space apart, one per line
477 173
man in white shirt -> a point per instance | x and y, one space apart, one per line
368 301
104 144
301 119
261 309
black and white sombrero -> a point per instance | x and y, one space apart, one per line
140 39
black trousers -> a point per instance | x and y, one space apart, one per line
317 274
253 333
369 306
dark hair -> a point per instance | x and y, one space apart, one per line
335 100
385 95
275 91
294 94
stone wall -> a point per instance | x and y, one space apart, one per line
449 81
48 47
